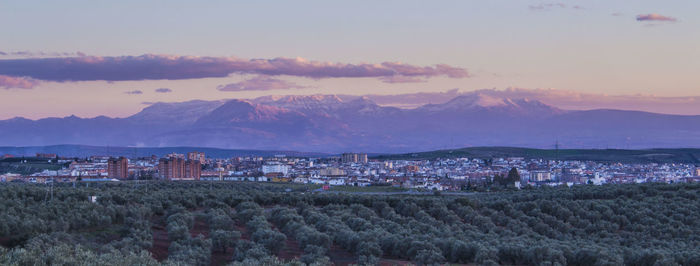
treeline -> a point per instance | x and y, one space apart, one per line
251 224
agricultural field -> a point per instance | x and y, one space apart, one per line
239 223
27 166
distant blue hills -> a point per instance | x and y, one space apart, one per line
82 151
328 124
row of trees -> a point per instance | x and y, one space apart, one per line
643 224
314 244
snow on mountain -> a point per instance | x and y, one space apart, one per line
301 102
181 113
327 123
478 101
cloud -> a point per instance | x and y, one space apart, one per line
164 90
655 17
550 6
41 54
159 67
134 92
401 79
260 83
148 103
8 82
547 6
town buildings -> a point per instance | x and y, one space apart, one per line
177 168
354 158
118 168
197 156
351 169
275 167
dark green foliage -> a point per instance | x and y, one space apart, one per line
644 224
222 239
219 220
314 254
191 251
270 239
513 175
250 250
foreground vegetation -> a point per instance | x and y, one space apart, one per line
196 223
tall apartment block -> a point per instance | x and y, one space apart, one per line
118 168
354 158
175 168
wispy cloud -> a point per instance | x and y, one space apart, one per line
551 6
401 79
8 82
134 92
655 17
260 83
157 67
546 6
41 54
164 90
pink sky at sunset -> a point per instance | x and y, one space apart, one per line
597 54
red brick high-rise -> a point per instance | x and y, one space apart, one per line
171 168
193 169
118 168
175 168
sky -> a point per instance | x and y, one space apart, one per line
90 58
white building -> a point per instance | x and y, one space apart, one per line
540 176
275 168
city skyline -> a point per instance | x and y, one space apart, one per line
130 54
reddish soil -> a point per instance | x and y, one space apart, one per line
244 231
200 227
5 242
341 257
219 258
389 262
291 250
161 243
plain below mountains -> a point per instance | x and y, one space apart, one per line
330 124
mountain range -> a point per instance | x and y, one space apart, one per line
331 124
83 151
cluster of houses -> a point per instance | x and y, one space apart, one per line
352 169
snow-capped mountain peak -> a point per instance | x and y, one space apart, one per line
301 102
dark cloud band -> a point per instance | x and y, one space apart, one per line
157 67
